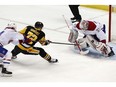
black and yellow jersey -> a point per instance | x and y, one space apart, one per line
33 34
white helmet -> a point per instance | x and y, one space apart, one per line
84 24
12 25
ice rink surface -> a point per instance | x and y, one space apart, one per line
72 67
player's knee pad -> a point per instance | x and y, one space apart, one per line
42 52
73 35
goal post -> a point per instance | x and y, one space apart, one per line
112 24
110 16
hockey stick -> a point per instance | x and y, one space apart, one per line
81 51
65 21
62 43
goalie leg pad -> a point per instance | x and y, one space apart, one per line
99 46
103 48
73 36
82 43
91 41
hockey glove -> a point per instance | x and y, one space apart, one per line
47 42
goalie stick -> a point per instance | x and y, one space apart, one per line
80 50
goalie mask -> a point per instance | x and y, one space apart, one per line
84 25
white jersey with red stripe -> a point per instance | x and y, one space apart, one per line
10 35
94 37
94 28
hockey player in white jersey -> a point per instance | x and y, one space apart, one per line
9 34
94 36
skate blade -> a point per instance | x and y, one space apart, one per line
6 75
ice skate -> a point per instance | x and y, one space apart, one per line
53 60
76 19
6 73
111 53
14 57
73 20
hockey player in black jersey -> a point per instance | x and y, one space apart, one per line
36 35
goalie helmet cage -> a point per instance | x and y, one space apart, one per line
112 24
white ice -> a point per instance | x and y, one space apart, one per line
72 67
